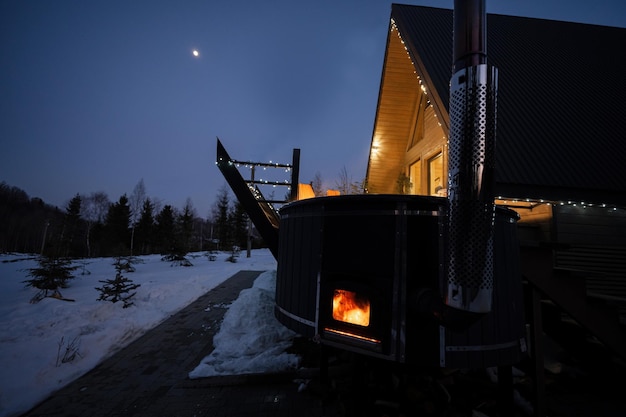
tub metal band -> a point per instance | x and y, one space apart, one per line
294 317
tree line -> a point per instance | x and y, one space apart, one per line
93 226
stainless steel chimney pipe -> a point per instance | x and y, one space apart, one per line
471 207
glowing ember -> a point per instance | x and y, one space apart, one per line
350 308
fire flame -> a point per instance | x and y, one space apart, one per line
350 308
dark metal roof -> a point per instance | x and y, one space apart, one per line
561 132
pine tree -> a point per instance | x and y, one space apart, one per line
220 218
171 238
117 226
238 220
165 231
53 273
71 226
185 227
144 233
119 288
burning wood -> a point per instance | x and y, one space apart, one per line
351 308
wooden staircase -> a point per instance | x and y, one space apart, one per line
567 290
553 293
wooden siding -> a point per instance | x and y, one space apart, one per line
594 245
395 117
600 226
395 123
433 143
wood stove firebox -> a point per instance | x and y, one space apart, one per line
353 271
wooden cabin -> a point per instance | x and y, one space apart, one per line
560 142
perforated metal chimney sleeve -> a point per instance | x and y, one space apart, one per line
471 208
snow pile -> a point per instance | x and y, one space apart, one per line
34 337
250 339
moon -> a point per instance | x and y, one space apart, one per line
195 53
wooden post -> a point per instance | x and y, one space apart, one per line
505 390
295 174
249 241
536 341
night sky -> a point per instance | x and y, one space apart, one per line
97 95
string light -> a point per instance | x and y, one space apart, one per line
263 182
530 203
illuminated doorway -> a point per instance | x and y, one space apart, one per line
415 176
436 184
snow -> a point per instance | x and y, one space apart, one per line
239 350
31 335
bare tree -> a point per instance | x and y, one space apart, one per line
93 210
318 184
157 204
346 185
135 202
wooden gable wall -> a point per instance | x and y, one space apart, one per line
393 149
396 111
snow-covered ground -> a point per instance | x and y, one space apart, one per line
34 337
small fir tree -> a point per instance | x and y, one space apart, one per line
119 288
177 258
53 273
234 254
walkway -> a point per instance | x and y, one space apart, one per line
149 376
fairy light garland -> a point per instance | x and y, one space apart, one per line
261 181
394 28
532 203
